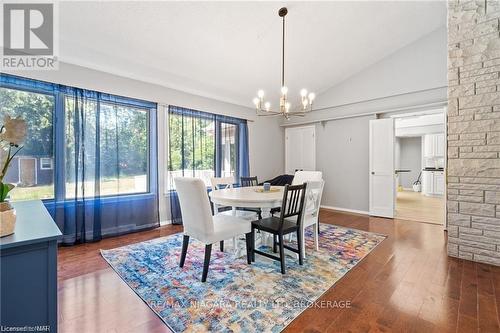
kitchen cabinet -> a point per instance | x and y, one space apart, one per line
434 145
438 183
433 183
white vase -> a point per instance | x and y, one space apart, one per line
7 219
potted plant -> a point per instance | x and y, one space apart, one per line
12 135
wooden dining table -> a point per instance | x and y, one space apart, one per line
249 197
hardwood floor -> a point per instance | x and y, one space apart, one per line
407 284
417 207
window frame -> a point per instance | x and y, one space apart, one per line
51 161
59 92
148 157
218 121
43 89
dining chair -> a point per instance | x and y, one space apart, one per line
288 223
301 177
221 183
201 225
247 182
305 176
310 215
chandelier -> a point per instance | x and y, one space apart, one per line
306 99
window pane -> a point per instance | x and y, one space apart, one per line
32 181
228 152
192 148
80 147
124 149
121 156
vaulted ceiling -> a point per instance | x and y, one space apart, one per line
228 50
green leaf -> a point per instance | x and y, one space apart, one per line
4 190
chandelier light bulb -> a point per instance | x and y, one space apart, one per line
305 102
260 93
267 105
284 90
287 106
256 101
312 96
303 93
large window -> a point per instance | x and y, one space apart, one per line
105 140
115 141
192 146
30 170
204 145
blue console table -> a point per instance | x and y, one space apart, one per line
28 270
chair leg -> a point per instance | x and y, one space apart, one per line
316 236
221 246
303 247
275 244
300 245
185 243
252 252
235 244
248 238
208 252
282 254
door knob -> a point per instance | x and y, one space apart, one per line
373 172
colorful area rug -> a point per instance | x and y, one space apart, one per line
236 297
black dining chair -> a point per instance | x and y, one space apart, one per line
288 222
246 182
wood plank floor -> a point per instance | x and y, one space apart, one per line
417 207
407 284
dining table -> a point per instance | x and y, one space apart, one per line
249 197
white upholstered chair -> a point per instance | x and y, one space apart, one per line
201 225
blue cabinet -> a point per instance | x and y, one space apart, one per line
28 270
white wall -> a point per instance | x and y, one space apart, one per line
410 158
266 137
342 156
415 75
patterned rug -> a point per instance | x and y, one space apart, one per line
236 297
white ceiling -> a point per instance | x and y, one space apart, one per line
228 50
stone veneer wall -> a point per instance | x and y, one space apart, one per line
473 187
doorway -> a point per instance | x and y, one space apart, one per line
420 157
412 147
27 171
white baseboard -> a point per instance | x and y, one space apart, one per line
346 210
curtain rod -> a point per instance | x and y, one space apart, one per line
166 105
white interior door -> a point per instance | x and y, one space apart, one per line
382 176
300 149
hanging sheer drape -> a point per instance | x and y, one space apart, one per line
104 159
204 145
191 150
110 171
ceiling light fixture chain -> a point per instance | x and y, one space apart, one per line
264 107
